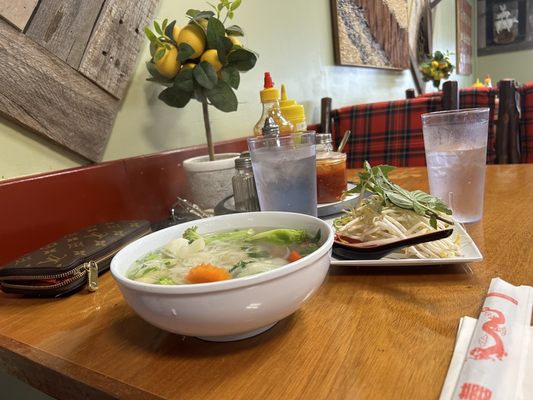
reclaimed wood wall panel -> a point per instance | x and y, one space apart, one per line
110 56
64 27
66 64
44 94
17 12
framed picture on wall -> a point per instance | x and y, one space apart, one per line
504 26
463 21
360 37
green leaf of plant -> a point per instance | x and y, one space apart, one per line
222 97
215 30
231 15
184 80
185 51
158 28
433 221
174 97
159 54
203 14
234 30
243 59
230 75
224 45
235 5
169 29
156 76
192 13
205 75
164 25
150 35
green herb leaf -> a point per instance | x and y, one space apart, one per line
192 13
205 75
159 54
222 97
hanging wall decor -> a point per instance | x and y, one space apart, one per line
463 21
370 33
65 65
504 26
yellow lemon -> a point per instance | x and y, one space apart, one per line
211 57
168 64
234 40
188 66
203 22
435 64
194 36
175 33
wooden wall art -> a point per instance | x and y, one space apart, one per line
370 33
66 64
420 38
504 26
463 21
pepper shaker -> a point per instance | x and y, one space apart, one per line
244 191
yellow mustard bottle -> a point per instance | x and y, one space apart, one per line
293 111
270 100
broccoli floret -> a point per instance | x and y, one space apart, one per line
282 236
191 234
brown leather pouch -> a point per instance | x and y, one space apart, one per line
66 265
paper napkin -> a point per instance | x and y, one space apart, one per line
492 358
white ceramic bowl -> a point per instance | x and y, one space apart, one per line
232 309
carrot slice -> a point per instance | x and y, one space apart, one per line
204 273
294 256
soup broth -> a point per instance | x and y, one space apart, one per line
202 258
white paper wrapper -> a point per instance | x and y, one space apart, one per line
491 358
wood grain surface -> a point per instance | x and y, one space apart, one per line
368 333
112 50
54 100
17 12
64 27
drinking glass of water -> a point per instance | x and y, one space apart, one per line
456 149
285 172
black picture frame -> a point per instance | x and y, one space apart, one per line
504 26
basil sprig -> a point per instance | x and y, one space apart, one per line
375 180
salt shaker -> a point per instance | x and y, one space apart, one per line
244 191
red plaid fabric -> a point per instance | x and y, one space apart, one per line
526 122
387 132
483 97
431 94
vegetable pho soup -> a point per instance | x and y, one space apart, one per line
202 258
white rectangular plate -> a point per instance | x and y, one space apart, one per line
469 251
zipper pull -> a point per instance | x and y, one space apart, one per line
92 276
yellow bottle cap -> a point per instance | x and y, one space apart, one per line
269 94
294 113
285 102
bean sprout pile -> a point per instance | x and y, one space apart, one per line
371 220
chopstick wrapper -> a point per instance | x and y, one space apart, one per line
492 359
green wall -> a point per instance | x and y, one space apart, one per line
294 40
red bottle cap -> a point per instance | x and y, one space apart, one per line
268 81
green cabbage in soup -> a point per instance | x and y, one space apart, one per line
202 258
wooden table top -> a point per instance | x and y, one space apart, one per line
368 333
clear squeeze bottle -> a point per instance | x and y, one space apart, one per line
270 99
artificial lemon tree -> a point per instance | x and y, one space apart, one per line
203 60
